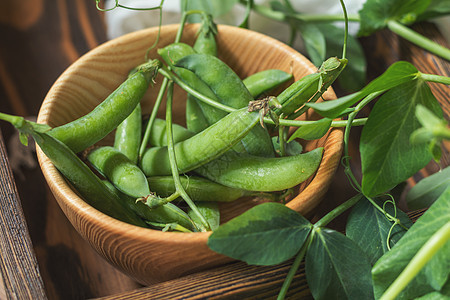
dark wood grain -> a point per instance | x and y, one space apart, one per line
18 263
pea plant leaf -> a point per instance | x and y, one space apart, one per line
398 73
314 40
312 131
428 190
375 14
266 234
336 268
369 228
435 273
387 156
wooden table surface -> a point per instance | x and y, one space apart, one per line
41 255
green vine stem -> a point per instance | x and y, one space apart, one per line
294 267
338 210
419 39
173 164
428 250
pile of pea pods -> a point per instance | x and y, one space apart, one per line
166 176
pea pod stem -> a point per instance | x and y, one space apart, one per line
173 164
428 250
152 118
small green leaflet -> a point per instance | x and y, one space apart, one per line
428 190
267 234
376 13
312 131
387 156
369 228
435 273
314 40
398 73
336 268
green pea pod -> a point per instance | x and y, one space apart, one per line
92 127
205 43
206 37
265 81
328 72
158 136
195 119
198 188
202 147
168 213
90 187
230 90
128 135
262 174
211 114
123 173
298 94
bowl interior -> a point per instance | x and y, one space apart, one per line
95 75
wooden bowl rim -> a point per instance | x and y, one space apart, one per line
73 202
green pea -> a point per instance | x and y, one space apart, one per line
158 136
202 147
94 126
262 174
265 81
298 94
128 135
205 43
123 173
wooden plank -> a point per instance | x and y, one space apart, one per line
19 267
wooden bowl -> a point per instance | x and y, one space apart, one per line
151 256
